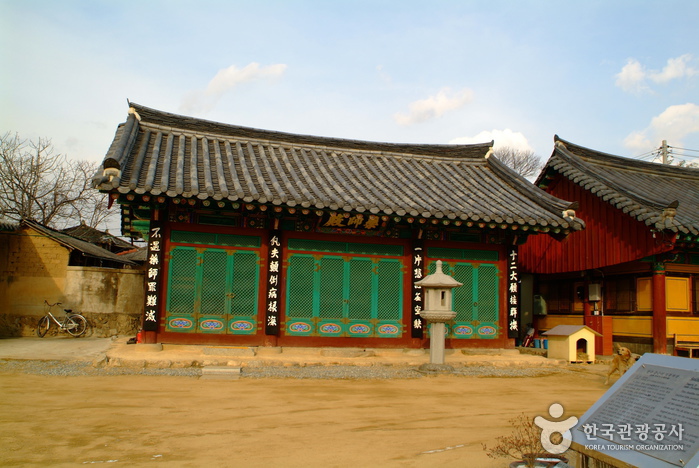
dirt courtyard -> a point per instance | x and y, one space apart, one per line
184 421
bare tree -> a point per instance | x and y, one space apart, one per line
38 184
524 162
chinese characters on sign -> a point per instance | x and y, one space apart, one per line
154 262
416 272
513 319
347 221
274 256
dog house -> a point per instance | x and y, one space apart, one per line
573 343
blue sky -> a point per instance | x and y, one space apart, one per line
616 76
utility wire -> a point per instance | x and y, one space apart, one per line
683 149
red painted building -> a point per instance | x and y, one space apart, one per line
638 257
268 238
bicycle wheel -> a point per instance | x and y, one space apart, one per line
43 327
76 325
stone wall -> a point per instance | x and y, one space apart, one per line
111 300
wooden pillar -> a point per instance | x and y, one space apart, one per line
604 344
659 310
587 305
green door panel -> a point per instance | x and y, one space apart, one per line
343 295
212 290
476 303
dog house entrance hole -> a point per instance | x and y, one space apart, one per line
581 348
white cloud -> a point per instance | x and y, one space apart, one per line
434 106
502 138
633 76
638 142
673 125
676 68
226 79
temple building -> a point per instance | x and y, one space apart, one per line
264 238
633 273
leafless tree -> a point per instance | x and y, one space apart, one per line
37 183
524 162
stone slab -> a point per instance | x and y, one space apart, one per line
220 370
346 352
228 351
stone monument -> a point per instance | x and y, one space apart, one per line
649 418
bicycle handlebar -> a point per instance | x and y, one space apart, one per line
51 305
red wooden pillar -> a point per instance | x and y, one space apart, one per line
659 310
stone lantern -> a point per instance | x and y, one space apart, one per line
437 305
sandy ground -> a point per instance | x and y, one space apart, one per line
184 421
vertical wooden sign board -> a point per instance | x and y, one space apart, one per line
416 327
154 262
274 256
513 283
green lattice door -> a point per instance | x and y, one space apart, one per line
212 290
476 302
341 295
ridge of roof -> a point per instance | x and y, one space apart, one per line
582 165
93 236
607 159
166 121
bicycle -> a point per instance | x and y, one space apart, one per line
73 323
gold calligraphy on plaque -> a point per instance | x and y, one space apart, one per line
350 221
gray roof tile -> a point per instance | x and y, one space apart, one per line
649 192
159 153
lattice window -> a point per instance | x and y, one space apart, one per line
214 282
487 293
182 288
300 287
336 287
245 284
390 292
360 291
331 287
462 297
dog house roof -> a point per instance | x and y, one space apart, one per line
568 330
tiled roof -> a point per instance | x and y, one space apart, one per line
73 243
162 154
97 237
663 197
7 225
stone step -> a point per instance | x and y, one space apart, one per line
220 372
